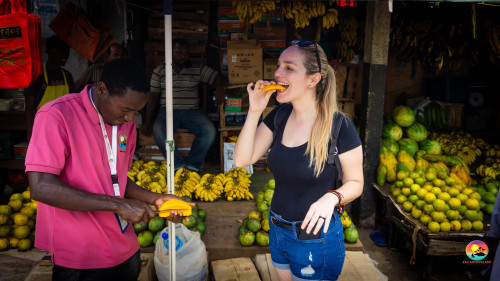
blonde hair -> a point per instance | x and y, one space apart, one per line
326 105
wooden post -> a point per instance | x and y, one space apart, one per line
377 31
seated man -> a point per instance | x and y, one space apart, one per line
93 72
187 114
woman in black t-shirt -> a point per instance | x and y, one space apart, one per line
306 235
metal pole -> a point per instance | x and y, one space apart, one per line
169 143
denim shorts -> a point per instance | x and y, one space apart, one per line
317 259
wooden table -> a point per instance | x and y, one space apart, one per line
223 223
221 236
428 243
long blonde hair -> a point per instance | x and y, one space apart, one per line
326 105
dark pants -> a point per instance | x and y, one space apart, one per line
128 270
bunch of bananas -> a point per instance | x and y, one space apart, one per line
210 187
237 186
250 11
149 175
348 41
461 144
489 171
493 152
469 154
185 182
494 42
330 19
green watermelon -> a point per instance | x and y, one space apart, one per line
430 146
392 131
391 145
410 145
417 132
388 119
403 116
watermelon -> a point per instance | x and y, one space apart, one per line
417 132
388 119
403 116
392 131
391 145
430 146
410 145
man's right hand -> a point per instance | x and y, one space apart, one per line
134 211
146 129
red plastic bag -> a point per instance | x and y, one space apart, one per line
20 47
73 27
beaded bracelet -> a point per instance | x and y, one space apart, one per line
340 207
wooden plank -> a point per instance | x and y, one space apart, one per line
364 269
348 272
235 269
262 267
201 15
270 266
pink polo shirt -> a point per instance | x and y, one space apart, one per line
67 141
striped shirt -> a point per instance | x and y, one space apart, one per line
185 85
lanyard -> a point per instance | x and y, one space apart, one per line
111 149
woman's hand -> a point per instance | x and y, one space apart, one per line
320 213
174 215
258 99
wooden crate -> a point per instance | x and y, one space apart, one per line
234 269
356 267
346 106
183 141
454 114
43 270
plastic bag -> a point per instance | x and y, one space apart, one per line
191 258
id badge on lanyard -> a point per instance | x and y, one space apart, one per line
111 151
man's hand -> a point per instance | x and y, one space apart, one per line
135 211
174 216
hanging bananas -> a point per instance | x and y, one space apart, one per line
330 19
348 42
251 11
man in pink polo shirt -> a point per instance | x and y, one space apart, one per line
77 162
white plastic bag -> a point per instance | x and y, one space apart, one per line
191 258
229 158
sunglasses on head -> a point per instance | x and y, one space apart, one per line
307 43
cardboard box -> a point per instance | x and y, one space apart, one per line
277 31
244 61
233 104
270 66
20 150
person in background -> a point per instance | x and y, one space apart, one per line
492 238
187 114
54 81
306 234
77 162
93 73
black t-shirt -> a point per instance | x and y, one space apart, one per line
296 185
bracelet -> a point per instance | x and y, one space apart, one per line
340 207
